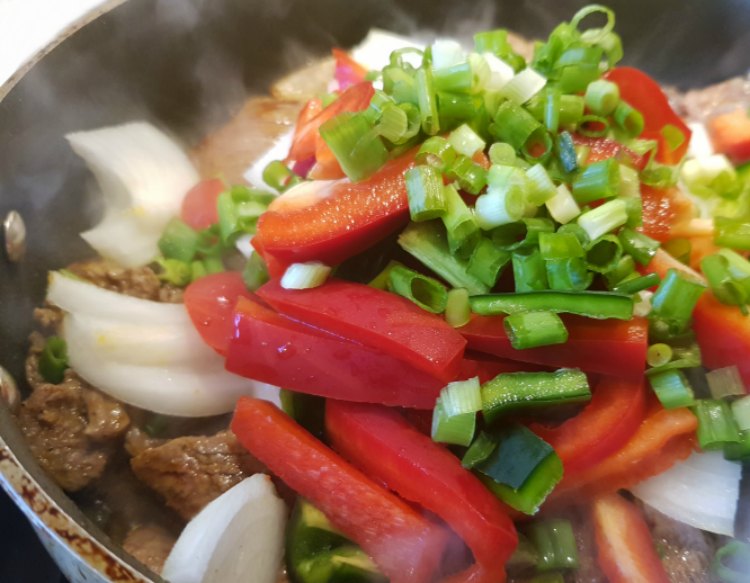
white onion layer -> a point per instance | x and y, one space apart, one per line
701 491
279 151
146 354
143 176
236 538
375 50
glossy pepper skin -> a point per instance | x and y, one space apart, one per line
406 546
386 447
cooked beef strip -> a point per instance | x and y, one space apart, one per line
701 104
150 544
189 472
72 429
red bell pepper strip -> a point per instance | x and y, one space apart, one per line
343 219
616 348
602 428
645 95
662 439
377 319
626 552
722 331
406 546
385 446
199 205
604 149
730 135
275 349
487 368
355 98
348 72
664 209
210 302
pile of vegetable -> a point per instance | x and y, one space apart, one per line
466 292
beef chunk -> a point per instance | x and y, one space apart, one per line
150 544
139 282
71 428
189 472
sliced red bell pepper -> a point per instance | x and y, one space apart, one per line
612 347
386 447
210 302
603 427
645 95
487 368
342 220
662 439
604 149
626 552
722 331
355 98
663 210
199 205
275 349
406 546
348 72
377 319
730 135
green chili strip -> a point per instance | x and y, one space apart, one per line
600 305
555 543
429 294
53 360
532 329
424 187
716 425
674 300
672 389
636 284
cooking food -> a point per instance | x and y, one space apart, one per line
478 314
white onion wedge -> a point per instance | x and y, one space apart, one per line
375 50
146 354
143 176
701 491
236 538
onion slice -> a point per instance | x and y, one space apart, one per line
702 491
238 537
143 175
144 353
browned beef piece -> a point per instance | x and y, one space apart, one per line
702 104
229 151
150 544
140 282
189 472
72 429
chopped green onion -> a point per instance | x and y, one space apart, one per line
178 241
458 308
355 144
563 207
471 177
552 109
255 272
673 136
278 176
428 293
682 357
239 209
641 247
524 233
428 243
424 187
460 223
523 86
741 412
427 101
732 233
731 563
680 249
502 154
462 397
659 354
521 458
628 119
53 360
726 289
453 429
540 185
500 206
555 543
532 329
438 152
739 450
672 389
597 181
630 183
465 141
636 284
173 271
305 275
725 382
604 218
515 391
393 124
307 410
380 281
675 299
566 152
568 274
603 254
593 126
457 78
559 246
602 97
197 270
487 262
529 272
213 264
454 107
539 148
480 449
599 305
575 78
514 125
716 425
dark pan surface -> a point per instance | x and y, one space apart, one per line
188 64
